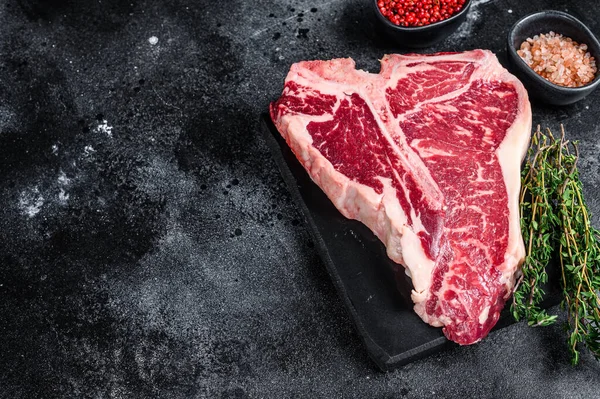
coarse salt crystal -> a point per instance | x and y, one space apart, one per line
559 59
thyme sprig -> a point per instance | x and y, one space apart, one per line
554 216
538 226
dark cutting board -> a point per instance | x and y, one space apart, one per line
377 298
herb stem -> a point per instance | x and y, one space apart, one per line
554 215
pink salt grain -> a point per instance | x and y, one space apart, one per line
559 59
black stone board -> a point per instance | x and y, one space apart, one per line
377 297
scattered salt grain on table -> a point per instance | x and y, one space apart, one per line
559 59
104 128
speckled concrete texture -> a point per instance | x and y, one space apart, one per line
148 245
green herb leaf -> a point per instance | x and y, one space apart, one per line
555 221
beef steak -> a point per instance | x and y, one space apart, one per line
427 154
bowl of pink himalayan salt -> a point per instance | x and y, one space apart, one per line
555 56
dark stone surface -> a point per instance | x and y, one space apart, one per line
148 245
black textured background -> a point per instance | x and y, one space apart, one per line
148 245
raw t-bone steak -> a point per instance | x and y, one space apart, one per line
427 154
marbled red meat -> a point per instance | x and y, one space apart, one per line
427 154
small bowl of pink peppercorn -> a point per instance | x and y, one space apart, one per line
420 23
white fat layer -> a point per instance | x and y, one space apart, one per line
392 208
464 229
484 315
510 153
420 267
428 151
